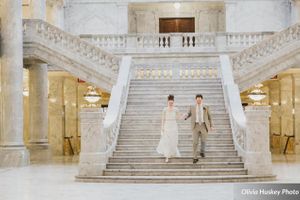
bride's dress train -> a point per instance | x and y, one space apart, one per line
168 144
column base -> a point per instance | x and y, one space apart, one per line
40 152
14 156
92 164
258 163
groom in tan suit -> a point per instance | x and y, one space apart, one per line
201 124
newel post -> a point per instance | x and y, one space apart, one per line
258 158
92 161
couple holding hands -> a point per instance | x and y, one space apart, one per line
201 123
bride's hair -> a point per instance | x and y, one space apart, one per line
171 97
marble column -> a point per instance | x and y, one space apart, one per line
295 11
55 13
230 10
275 120
12 149
38 94
297 112
38 9
38 104
287 117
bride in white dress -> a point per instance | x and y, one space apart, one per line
168 144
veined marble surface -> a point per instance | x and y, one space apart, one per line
55 180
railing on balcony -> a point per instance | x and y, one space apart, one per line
176 71
176 42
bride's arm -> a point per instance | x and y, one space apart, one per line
163 120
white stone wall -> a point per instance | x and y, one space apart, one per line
257 15
96 18
144 18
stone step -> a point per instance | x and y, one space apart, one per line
153 148
156 113
163 103
155 141
181 92
176 81
160 159
133 107
132 130
203 165
180 122
181 128
174 172
181 131
180 147
130 117
182 153
171 85
175 179
189 93
186 91
190 99
181 136
159 106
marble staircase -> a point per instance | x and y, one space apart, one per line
135 159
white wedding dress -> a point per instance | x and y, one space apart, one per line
168 144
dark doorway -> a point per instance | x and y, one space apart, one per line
176 25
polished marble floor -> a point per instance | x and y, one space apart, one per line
54 180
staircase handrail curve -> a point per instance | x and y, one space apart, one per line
233 105
117 104
265 48
54 35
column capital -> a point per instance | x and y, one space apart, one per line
58 3
28 62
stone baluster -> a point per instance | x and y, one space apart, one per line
176 41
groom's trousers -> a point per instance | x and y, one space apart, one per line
199 131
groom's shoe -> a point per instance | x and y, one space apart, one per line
195 160
202 155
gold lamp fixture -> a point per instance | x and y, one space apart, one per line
92 96
257 94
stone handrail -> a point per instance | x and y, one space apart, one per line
117 105
98 136
192 40
176 71
175 42
266 58
233 105
250 128
239 40
91 58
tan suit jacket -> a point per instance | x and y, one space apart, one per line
206 116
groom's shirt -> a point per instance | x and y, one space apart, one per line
199 113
